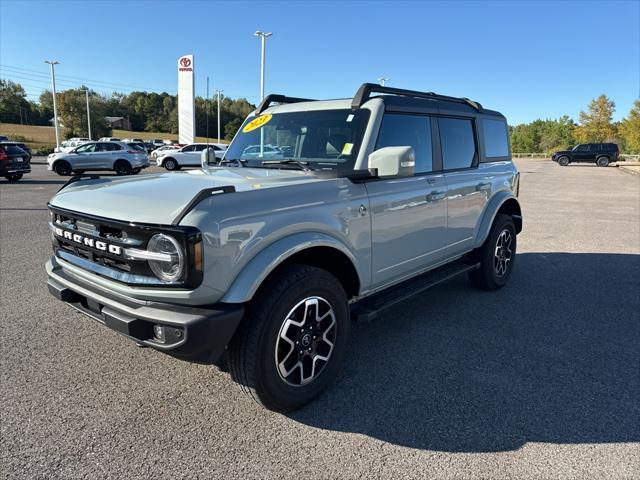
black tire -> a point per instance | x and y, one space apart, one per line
62 168
14 177
122 167
563 161
257 346
602 161
78 172
170 164
494 272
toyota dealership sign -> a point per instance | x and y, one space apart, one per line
186 100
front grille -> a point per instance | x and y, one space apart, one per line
98 245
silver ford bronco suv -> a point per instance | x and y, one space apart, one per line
321 212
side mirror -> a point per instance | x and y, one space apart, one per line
393 161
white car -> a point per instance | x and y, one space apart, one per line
163 150
188 156
109 139
72 143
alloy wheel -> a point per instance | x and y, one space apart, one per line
503 253
305 341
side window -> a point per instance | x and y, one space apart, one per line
189 148
200 148
583 148
89 147
401 130
458 143
114 147
496 141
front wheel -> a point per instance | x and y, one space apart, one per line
496 255
62 168
292 340
170 164
563 161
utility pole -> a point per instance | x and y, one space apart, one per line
207 113
219 92
263 36
383 80
55 105
88 114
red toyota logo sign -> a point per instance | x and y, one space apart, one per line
185 62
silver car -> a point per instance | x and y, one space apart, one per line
116 156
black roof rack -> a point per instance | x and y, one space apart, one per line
274 98
366 89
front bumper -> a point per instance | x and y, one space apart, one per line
195 334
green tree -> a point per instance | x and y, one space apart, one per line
630 129
595 125
72 110
14 107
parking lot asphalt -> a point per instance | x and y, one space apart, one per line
539 380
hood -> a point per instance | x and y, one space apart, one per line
159 198
561 152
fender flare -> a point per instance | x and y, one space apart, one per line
490 212
247 282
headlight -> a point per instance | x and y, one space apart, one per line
166 270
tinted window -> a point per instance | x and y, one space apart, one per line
114 146
408 131
102 147
582 148
458 144
188 149
496 143
200 148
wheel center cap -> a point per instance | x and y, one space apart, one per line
306 340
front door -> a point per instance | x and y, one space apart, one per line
408 215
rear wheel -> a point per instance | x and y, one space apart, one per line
602 161
496 255
170 164
62 168
292 340
122 167
563 161
14 177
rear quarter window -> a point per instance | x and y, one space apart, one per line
496 139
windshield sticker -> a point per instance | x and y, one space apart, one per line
346 150
350 117
256 123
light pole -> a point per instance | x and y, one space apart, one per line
55 105
263 36
383 80
219 92
88 114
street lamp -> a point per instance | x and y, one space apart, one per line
263 37
55 105
219 92
383 80
88 113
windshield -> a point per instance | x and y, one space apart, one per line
321 139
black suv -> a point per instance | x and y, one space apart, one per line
602 154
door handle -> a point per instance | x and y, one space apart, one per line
483 187
431 180
435 196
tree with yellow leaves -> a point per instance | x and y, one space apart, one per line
595 125
630 129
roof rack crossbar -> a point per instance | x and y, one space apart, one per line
366 89
275 98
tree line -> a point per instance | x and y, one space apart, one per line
158 112
146 111
594 126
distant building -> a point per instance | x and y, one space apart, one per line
121 123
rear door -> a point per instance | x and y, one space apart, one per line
408 215
466 187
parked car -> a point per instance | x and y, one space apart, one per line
117 156
187 156
386 195
14 161
4 139
163 149
109 139
21 145
157 142
602 154
72 143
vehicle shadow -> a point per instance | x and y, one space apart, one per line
552 357
35 182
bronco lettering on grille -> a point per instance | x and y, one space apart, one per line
87 241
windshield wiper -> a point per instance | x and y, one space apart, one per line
289 161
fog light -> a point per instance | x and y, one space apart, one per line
158 333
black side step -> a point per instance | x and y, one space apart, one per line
368 308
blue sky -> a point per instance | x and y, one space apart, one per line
527 59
